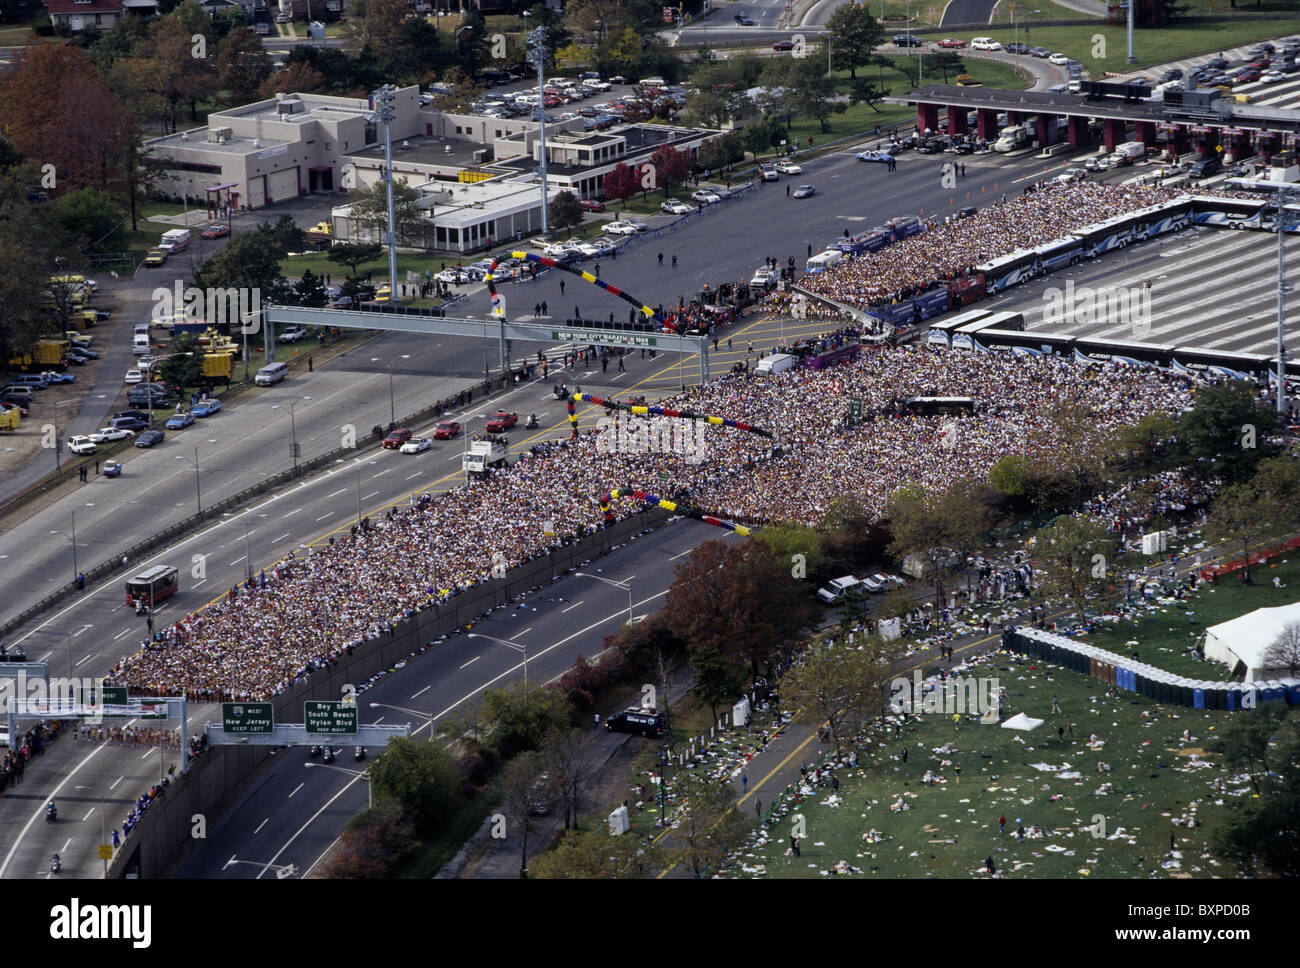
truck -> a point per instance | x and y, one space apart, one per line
486 452
776 363
1013 136
216 367
824 260
46 352
1128 153
175 240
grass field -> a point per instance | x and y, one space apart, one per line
1112 824
1150 47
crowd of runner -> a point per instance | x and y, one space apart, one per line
317 603
953 250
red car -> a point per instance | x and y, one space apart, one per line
783 45
216 231
591 205
501 422
953 43
446 430
398 437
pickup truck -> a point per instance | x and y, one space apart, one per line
501 421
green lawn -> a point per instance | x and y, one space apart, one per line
432 855
1149 46
950 828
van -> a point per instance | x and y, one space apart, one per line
33 380
140 344
839 589
19 392
271 374
175 240
140 329
776 363
634 719
655 82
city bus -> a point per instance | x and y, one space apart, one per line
941 332
939 406
152 586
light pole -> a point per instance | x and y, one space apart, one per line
384 99
363 774
293 429
75 571
248 561
392 403
508 644
198 495
625 585
103 826
243 329
358 495
537 43
410 712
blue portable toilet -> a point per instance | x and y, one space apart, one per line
1273 691
1292 688
1182 691
1198 695
1228 693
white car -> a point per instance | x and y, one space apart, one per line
804 191
1060 60
596 248
81 445
623 227
706 197
559 248
985 43
106 435
415 445
769 173
293 334
133 376
886 580
1071 175
452 277
675 206
788 168
1272 77
598 85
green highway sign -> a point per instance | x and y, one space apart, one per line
855 406
331 716
101 694
247 717
602 336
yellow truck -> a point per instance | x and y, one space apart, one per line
46 353
217 367
9 417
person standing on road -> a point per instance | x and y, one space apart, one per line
561 287
674 260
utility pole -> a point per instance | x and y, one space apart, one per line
1131 58
1281 299
385 111
537 52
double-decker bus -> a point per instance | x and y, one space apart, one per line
152 586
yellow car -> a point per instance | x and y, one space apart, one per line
156 257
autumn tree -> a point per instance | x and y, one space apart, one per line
738 599
381 26
672 167
172 66
620 182
924 524
595 855
837 682
298 77
1075 556
243 65
56 111
708 826
372 844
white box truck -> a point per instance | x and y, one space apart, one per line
824 260
1013 136
776 363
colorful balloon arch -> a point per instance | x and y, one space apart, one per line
582 274
643 411
653 500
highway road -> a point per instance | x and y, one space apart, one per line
251 441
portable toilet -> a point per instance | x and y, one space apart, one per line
1198 695
1292 687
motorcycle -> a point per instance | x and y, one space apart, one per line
359 754
314 751
532 422
51 812
329 754
55 863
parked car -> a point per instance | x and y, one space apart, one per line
592 205
675 206
1043 52
907 40
106 435
179 421
789 168
446 430
1059 59
81 445
706 197
646 722
149 438
952 43
625 227
206 408
416 445
293 334
216 232
53 376
1017 48
985 43
133 376
396 438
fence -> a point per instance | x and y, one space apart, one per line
159 842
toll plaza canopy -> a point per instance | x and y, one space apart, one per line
1201 118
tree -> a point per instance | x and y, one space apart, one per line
717 153
854 36
1246 513
250 261
1245 743
381 26
1144 447
924 525
87 214
564 758
837 683
595 855
421 779
565 212
620 182
472 50
519 794
758 136
866 91
708 825
310 290
1262 835
354 254
243 65
1009 474
739 600
187 370
1226 433
946 62
462 91
298 77
715 682
167 65
370 210
372 844
1075 555
815 93
1284 651
55 109
522 715
672 167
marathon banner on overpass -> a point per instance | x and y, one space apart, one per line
605 337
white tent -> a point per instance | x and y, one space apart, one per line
1242 641
1021 721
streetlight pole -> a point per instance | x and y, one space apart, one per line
358 469
248 561
243 329
537 41
625 585
508 644
198 494
410 712
363 774
384 99
392 401
75 571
